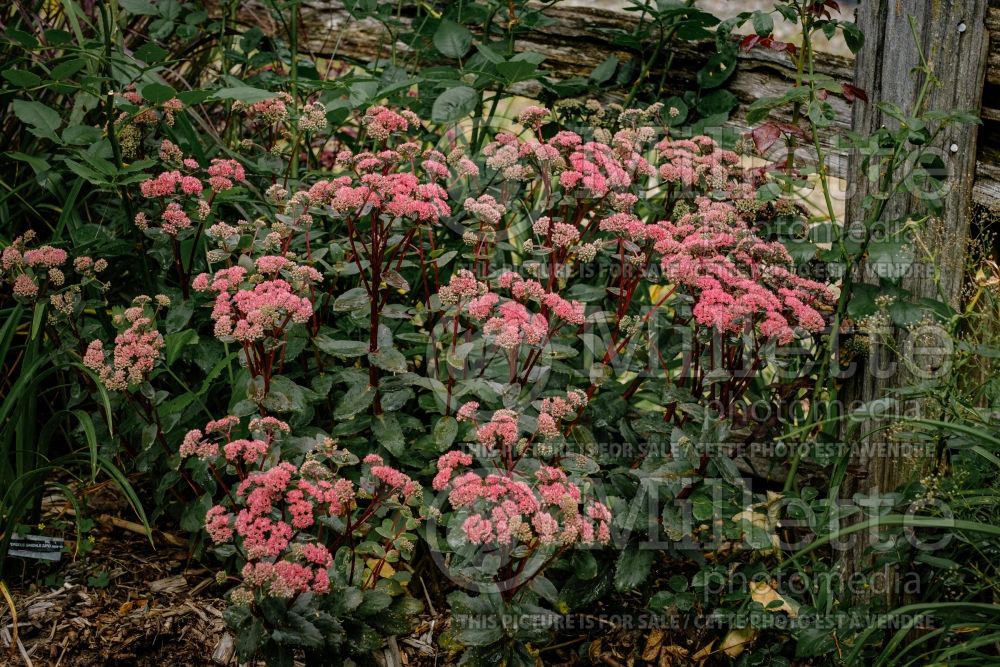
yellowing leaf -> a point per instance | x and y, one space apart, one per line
736 640
385 571
764 593
704 653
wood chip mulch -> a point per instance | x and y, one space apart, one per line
124 603
130 603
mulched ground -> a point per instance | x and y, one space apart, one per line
127 603
156 608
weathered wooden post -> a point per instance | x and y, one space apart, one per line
952 36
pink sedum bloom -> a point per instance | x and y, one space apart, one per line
738 280
135 353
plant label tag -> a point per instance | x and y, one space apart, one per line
39 547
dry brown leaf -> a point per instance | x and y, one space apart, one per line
653 645
128 606
594 650
674 656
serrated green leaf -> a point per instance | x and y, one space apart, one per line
21 78
605 70
357 399
633 566
139 7
174 343
489 54
151 53
452 39
67 68
454 104
891 258
246 94
853 37
763 24
81 135
158 93
37 164
388 433
584 564
717 102
388 359
345 349
445 431
353 299
283 395
515 71
43 120
717 70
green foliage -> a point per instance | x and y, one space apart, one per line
379 369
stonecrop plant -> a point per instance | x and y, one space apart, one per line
376 345
420 365
296 534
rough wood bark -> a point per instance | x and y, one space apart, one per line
578 40
953 37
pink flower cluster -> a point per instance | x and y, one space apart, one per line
169 183
250 451
174 219
591 170
273 507
503 430
595 168
285 579
382 122
737 279
696 161
559 234
135 353
500 430
173 185
504 509
524 290
446 465
222 174
533 116
556 408
147 115
249 314
45 256
270 111
273 514
514 324
462 286
510 323
28 270
467 412
486 209
596 184
391 479
399 194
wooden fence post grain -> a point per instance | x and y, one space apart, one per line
952 36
